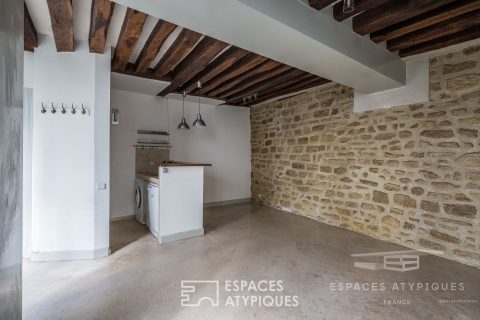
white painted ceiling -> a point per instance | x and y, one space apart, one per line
129 83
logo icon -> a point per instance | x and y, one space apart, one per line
401 261
194 292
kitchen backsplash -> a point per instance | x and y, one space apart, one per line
147 160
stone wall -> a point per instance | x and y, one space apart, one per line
409 174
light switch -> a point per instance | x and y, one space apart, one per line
101 186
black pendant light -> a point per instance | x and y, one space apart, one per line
199 123
348 6
183 124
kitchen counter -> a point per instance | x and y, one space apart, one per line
183 164
175 200
153 178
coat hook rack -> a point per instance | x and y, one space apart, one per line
80 109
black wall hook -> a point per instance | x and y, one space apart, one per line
53 109
43 109
73 109
63 109
83 110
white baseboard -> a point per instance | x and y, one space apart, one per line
182 235
70 255
225 203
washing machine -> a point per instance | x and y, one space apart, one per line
141 201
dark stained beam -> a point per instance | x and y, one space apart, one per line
179 49
131 29
456 38
242 83
359 6
392 12
100 17
320 4
220 64
30 40
268 83
61 16
303 85
203 53
245 64
425 20
290 82
155 41
244 79
438 30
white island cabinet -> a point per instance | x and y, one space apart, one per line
180 201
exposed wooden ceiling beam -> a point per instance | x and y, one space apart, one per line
359 6
425 20
100 17
456 38
392 12
268 83
61 16
303 85
203 53
438 30
248 62
179 49
220 64
155 41
320 4
242 80
29 32
131 29
288 83
242 83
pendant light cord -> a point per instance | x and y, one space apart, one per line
168 122
183 108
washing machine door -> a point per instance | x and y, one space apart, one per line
138 197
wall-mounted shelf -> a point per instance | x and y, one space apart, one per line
160 133
151 146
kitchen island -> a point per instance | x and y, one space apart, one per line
175 200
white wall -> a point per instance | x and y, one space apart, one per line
102 153
70 153
225 143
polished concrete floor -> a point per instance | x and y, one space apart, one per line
142 280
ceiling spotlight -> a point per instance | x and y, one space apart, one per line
348 6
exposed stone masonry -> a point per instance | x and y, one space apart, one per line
409 174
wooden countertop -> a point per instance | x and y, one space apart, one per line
184 164
153 178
